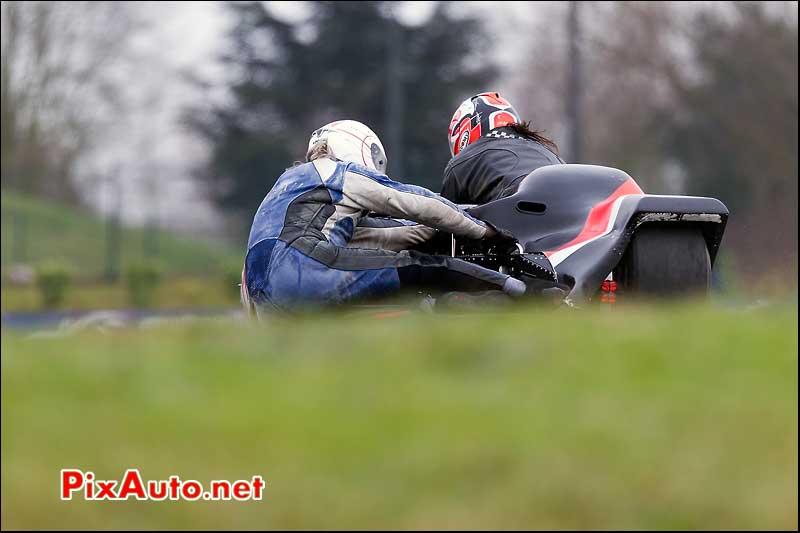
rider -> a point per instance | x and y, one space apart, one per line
312 240
492 151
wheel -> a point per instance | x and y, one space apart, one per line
665 260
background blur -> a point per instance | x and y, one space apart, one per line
138 138
147 133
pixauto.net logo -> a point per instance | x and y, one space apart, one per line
86 486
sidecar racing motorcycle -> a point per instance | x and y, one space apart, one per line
588 233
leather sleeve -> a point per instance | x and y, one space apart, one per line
389 234
364 189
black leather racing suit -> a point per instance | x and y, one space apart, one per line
493 167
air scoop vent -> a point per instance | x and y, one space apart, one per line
533 208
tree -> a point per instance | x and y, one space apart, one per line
737 135
57 87
629 58
690 99
347 60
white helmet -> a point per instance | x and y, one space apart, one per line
350 140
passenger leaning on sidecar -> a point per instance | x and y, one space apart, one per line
492 151
312 240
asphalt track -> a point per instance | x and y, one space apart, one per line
71 320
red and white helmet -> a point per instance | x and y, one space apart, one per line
350 140
478 116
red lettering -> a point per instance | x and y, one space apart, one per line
221 490
132 486
71 480
106 491
241 490
191 490
258 486
174 485
155 493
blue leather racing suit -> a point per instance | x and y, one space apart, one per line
312 241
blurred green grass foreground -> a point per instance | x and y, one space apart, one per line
684 417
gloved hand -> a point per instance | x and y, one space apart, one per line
499 242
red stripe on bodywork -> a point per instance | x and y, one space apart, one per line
597 221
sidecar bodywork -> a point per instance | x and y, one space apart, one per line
594 223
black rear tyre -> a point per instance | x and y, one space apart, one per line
665 260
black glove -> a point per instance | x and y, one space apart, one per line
501 243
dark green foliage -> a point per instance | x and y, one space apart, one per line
231 280
289 80
142 280
53 279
